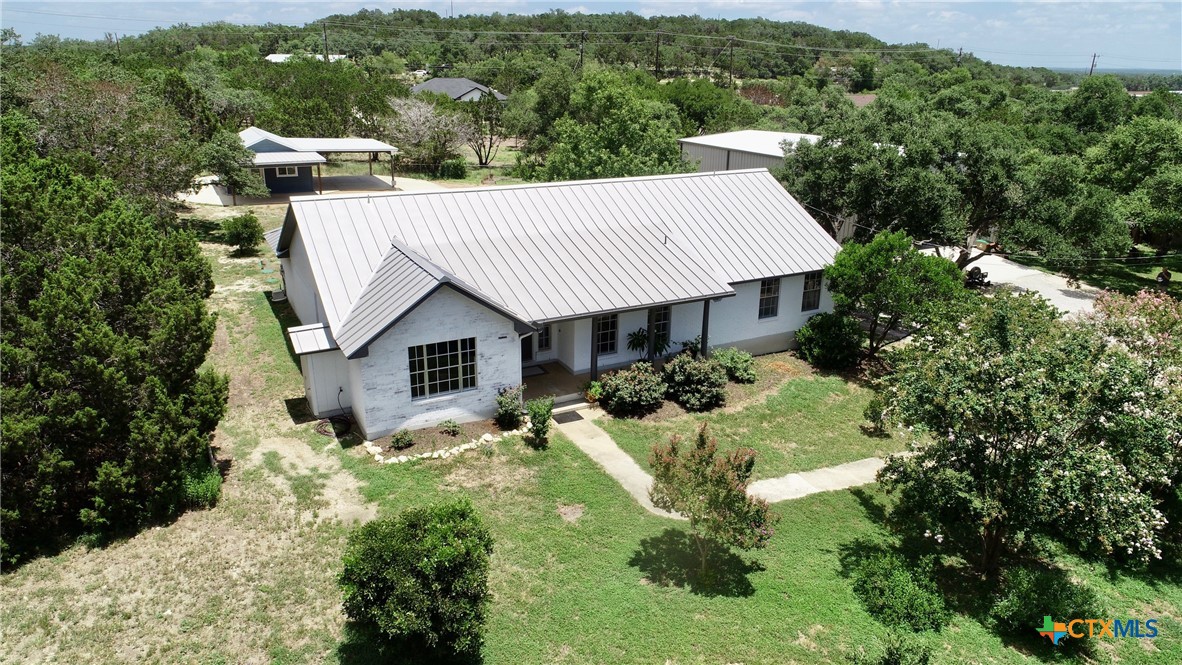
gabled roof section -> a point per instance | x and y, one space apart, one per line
547 252
252 136
755 141
272 239
403 279
455 87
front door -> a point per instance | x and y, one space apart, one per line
527 348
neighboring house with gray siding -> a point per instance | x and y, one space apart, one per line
419 307
459 89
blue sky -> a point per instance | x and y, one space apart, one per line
1050 33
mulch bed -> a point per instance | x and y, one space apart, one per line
771 371
430 439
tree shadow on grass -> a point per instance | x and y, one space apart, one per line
671 559
363 646
206 230
287 318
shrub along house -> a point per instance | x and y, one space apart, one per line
419 307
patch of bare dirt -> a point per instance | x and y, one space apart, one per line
571 514
488 469
340 491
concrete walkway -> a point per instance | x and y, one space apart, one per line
618 464
596 443
1067 297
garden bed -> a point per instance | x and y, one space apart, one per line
431 439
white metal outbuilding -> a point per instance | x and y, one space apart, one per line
744 149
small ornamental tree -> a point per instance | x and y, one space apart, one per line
420 580
711 492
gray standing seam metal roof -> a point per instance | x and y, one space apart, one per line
252 136
554 251
311 338
454 87
287 159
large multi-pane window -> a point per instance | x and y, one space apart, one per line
607 331
662 325
769 298
544 338
812 291
442 367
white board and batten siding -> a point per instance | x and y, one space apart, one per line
734 321
443 316
327 382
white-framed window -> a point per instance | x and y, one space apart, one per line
287 171
607 333
442 367
544 338
812 291
769 298
662 325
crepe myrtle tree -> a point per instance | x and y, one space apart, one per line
711 492
1030 426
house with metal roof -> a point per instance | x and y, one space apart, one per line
744 149
417 307
286 163
459 89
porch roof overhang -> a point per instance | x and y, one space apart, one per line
287 159
621 310
312 338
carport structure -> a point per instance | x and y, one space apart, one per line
286 163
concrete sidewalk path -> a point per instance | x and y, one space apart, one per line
796 485
619 465
597 445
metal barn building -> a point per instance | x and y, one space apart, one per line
745 149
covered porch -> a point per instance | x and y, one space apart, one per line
552 379
562 356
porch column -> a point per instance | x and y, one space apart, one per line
594 350
392 186
319 180
652 334
371 163
705 328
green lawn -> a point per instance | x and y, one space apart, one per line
809 422
1124 276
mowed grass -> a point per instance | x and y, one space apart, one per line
808 422
253 580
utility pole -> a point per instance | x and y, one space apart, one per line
730 45
324 29
1093 67
959 53
657 67
582 41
